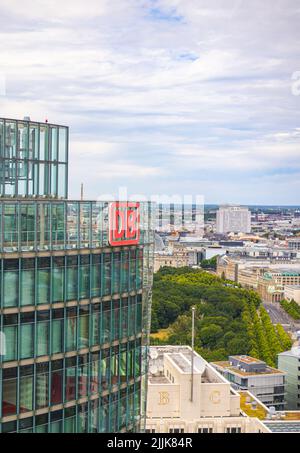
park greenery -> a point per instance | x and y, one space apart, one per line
291 308
210 263
230 320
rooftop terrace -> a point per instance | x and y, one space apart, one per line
225 365
252 407
247 359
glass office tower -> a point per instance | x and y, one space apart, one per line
74 309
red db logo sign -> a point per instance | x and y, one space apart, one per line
124 223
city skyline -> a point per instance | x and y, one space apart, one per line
162 91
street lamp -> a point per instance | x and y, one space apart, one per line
192 358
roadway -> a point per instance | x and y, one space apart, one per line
279 316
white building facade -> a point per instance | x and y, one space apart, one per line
180 401
235 219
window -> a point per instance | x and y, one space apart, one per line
94 374
43 281
62 157
42 385
132 316
10 329
106 322
10 427
70 420
42 333
133 270
11 282
56 422
41 423
70 379
95 324
117 272
26 388
96 276
124 271
26 425
26 335
27 282
233 430
57 331
123 363
58 279
56 381
82 376
71 331
107 274
205 430
84 277
124 317
72 277
116 319
9 392
105 369
84 326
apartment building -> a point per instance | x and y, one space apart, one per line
263 381
289 362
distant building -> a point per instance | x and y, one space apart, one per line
235 219
294 244
212 407
289 362
177 256
243 270
271 286
268 276
248 373
292 292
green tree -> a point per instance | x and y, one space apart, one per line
210 335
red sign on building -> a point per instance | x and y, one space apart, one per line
124 223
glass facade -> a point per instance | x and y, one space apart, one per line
33 159
74 311
59 225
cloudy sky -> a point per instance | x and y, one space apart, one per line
162 96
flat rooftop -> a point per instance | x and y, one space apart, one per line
159 380
247 359
294 352
225 365
181 358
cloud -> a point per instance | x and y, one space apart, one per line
169 89
48 10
